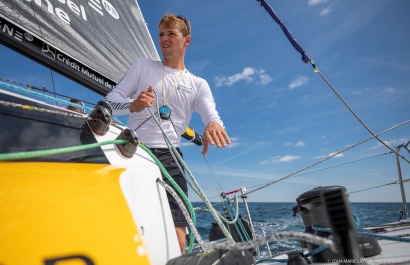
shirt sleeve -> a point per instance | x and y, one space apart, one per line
120 97
206 105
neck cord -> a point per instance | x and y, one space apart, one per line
173 88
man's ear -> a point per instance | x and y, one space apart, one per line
188 40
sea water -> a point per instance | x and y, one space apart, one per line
278 217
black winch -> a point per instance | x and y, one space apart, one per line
321 207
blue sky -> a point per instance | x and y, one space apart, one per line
280 114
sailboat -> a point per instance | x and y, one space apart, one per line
79 187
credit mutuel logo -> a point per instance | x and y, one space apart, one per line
102 7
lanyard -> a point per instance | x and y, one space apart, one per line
173 88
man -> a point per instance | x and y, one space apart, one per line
179 93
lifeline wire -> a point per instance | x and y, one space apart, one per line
325 159
387 184
19 87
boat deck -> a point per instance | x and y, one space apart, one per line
393 252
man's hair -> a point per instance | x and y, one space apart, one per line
170 20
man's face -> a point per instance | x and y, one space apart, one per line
171 41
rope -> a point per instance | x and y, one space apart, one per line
212 173
359 119
56 151
197 188
43 96
175 185
313 239
235 213
327 168
375 187
366 234
307 59
44 89
325 159
39 109
186 214
309 254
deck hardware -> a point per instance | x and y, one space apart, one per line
100 118
129 148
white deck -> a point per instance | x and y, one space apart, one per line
393 252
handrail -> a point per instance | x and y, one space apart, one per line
403 193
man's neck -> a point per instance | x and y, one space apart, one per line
178 65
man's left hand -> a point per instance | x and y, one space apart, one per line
215 134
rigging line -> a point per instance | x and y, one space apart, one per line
327 168
44 89
359 119
175 155
325 159
375 187
54 88
307 59
212 173
38 109
188 173
20 87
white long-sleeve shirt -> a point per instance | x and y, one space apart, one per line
184 94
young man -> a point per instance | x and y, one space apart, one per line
179 93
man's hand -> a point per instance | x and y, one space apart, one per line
145 99
215 134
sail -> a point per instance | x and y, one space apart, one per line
92 42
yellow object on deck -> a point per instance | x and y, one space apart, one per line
66 213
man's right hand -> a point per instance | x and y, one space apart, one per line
145 99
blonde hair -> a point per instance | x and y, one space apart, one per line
181 22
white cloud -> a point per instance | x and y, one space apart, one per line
325 11
389 90
264 77
392 143
279 159
234 142
297 144
297 82
262 143
248 74
316 2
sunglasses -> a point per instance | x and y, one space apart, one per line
186 21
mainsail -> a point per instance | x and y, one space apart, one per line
92 42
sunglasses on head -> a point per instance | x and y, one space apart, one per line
186 21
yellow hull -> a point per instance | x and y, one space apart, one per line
66 211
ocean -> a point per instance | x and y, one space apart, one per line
277 217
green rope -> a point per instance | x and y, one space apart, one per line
179 190
57 151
